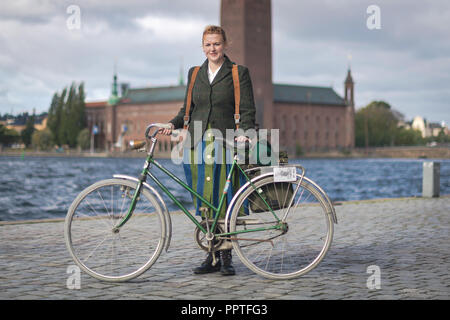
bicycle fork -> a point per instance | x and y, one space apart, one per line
142 179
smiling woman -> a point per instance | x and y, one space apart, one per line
210 106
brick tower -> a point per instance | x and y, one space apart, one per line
248 24
349 87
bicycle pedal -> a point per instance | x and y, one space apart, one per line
215 260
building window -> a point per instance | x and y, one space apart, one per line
296 124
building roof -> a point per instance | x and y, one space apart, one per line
94 104
306 94
155 94
281 93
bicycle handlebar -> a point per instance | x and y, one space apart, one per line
228 144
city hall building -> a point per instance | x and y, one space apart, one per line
309 118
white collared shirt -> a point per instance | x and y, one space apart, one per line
212 75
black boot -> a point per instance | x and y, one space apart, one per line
226 269
206 266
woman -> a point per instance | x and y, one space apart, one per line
213 107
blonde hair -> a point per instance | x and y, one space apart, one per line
214 30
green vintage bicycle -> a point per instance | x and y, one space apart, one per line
117 228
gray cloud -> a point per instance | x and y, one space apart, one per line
406 62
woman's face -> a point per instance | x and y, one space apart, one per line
213 47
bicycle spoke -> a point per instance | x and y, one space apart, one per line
294 249
95 211
114 254
92 252
112 201
104 204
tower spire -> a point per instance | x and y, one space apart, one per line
181 75
349 60
349 85
114 97
114 88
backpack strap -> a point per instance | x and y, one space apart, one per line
189 97
237 95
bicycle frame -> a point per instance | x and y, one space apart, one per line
210 233
207 203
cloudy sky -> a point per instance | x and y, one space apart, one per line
406 62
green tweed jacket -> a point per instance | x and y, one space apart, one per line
214 103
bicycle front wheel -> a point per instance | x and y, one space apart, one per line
100 249
278 248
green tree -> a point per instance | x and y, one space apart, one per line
375 125
28 131
442 137
59 132
77 115
8 136
70 130
42 140
84 139
408 137
54 118
67 115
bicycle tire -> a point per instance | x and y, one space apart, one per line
91 240
282 254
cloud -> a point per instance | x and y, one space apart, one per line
406 62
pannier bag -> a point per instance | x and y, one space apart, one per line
277 195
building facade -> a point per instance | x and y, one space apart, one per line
309 118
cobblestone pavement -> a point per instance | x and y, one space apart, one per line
407 239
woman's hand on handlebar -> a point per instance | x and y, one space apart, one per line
241 139
166 131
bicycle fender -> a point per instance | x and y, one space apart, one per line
329 206
237 194
168 220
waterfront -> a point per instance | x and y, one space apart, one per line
44 187
407 239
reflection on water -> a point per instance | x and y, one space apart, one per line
37 188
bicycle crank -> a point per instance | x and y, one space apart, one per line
204 240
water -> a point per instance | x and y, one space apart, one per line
38 188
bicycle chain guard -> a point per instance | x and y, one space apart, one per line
201 240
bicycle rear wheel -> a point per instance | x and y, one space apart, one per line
297 245
109 254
